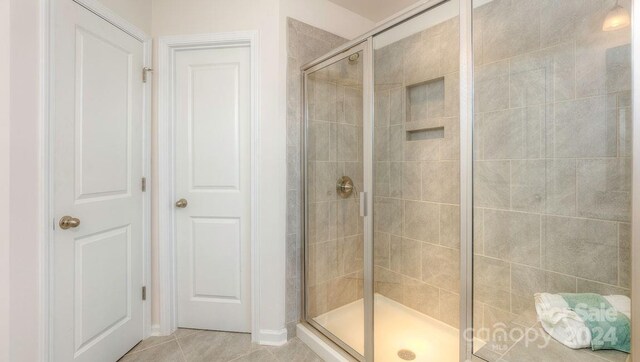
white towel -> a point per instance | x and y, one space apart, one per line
564 324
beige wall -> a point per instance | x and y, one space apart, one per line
24 200
137 12
326 16
4 180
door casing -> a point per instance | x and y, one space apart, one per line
167 47
47 19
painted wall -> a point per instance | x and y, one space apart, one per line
325 15
24 200
4 180
137 12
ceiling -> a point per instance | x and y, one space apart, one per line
375 10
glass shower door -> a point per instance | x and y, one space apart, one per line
416 188
334 177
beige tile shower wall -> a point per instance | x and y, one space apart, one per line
304 43
417 213
552 149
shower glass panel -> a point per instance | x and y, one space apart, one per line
416 188
552 177
334 177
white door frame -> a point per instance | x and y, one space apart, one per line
47 19
167 47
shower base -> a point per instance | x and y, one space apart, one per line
397 328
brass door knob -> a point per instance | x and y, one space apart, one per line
68 222
182 203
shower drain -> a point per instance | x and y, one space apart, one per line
406 355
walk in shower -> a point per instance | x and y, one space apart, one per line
404 223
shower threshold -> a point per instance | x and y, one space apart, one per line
399 332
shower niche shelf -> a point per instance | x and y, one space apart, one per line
425 100
425 134
425 110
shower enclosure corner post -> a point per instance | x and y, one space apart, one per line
466 180
635 203
368 165
303 199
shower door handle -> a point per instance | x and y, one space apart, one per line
363 204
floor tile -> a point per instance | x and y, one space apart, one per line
190 345
150 342
261 355
295 351
215 346
183 332
165 352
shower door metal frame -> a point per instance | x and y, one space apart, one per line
364 46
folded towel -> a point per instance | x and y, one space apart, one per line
567 319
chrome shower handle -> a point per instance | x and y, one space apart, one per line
345 186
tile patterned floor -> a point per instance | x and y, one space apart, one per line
188 345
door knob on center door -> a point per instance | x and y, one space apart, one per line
182 203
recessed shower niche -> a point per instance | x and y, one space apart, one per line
425 100
425 109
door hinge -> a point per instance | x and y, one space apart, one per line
144 184
145 74
144 293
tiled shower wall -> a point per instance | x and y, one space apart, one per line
553 155
552 149
416 181
304 44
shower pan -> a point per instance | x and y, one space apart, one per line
461 163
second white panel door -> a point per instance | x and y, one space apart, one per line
213 165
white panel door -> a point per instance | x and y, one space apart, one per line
97 168
212 104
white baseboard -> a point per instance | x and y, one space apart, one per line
155 330
271 337
320 347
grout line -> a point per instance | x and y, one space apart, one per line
150 347
184 357
273 354
552 215
246 354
